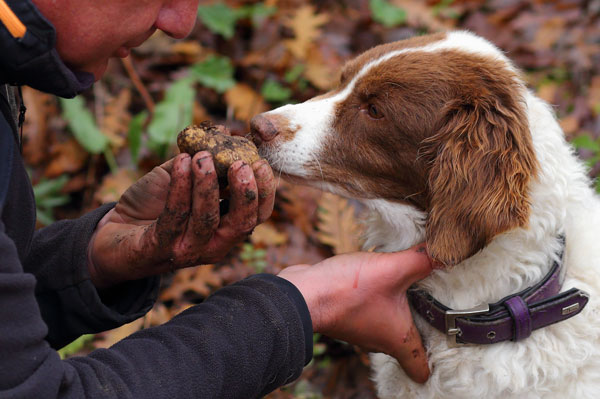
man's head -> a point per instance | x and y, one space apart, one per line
89 32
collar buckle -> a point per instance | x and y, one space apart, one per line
454 332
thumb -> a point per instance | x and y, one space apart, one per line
414 262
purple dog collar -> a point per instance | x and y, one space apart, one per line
512 318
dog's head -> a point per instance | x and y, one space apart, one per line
436 122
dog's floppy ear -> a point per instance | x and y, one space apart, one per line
481 161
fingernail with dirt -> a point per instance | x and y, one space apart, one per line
244 173
262 171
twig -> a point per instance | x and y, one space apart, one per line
139 85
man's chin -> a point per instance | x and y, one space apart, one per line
97 69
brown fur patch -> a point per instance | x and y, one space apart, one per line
454 142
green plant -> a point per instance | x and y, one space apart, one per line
86 132
274 92
256 258
386 13
48 196
585 141
136 127
221 19
171 115
215 72
75 346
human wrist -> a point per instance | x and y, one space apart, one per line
96 275
317 294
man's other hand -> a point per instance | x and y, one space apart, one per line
361 298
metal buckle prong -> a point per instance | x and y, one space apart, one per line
451 330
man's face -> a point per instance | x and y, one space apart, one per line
89 32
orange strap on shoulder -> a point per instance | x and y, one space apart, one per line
14 25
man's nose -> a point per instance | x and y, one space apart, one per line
177 17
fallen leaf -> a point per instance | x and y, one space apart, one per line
267 234
245 101
197 279
569 124
305 24
321 75
109 338
67 157
115 123
593 98
547 92
114 185
299 204
41 107
189 48
337 224
549 32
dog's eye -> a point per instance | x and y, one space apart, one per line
374 112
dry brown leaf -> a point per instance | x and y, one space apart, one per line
419 13
115 123
197 279
267 234
245 101
569 124
320 74
299 204
111 337
547 92
67 157
337 224
593 99
113 186
549 32
41 107
189 48
305 25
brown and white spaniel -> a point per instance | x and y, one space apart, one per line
442 141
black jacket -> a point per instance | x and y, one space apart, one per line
242 342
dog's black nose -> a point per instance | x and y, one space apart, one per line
262 128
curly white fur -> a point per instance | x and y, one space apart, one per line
559 361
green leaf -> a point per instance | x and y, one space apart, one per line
386 13
219 18
44 216
585 141
53 202
273 91
293 74
598 185
172 114
258 13
135 135
75 346
48 187
215 72
81 122
48 195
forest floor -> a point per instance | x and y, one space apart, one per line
245 57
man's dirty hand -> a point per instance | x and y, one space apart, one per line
170 219
361 298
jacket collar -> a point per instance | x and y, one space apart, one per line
32 59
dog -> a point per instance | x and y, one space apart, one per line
441 140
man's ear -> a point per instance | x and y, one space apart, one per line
482 161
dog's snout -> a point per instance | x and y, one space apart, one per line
263 128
